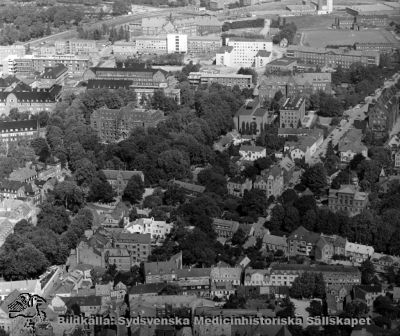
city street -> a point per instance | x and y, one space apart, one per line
358 112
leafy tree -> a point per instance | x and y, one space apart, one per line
288 309
120 7
367 272
239 237
308 285
315 308
134 190
254 203
53 217
356 309
100 190
249 71
174 163
384 306
41 149
235 302
85 172
315 178
69 195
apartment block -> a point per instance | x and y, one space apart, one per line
203 44
347 199
384 112
302 242
284 275
292 112
75 47
29 64
332 57
231 80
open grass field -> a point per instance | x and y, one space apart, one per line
322 38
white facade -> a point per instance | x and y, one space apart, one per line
358 252
177 43
252 153
244 51
157 229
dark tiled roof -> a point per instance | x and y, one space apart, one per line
82 301
314 268
7 81
134 238
124 174
10 185
301 233
54 72
108 84
34 96
193 272
146 288
6 126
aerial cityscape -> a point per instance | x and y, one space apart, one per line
199 168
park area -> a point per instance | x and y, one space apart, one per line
322 38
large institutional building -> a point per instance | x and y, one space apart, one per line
332 57
116 125
142 80
298 84
231 80
29 64
32 100
192 26
244 52
18 130
167 44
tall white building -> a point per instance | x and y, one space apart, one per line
242 52
177 43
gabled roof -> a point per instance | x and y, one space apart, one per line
108 84
274 240
164 267
21 125
8 300
82 301
124 174
54 72
193 272
147 288
247 148
301 233
190 186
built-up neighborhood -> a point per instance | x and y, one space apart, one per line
196 159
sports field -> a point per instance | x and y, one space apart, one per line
322 38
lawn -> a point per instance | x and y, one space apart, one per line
321 38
